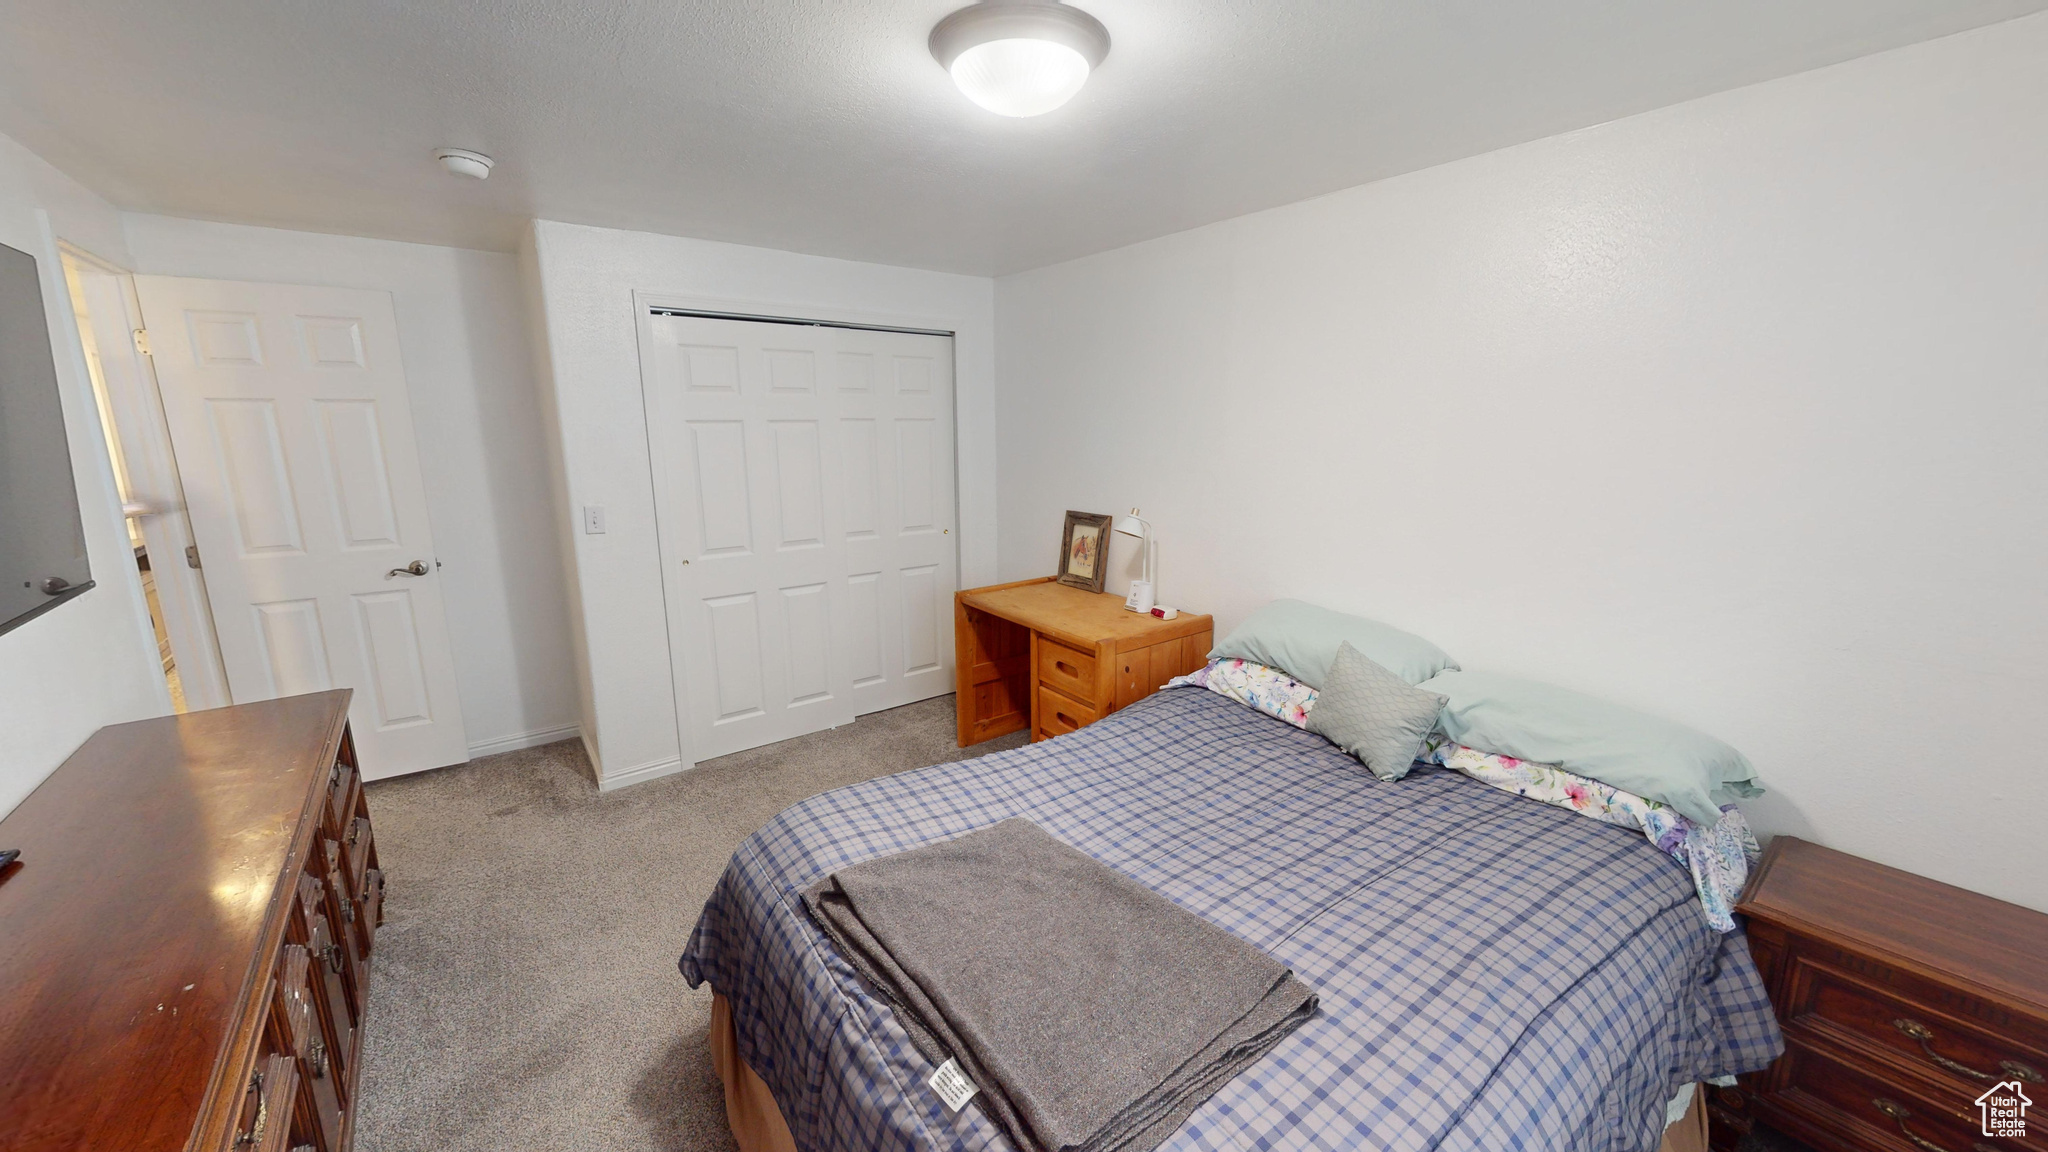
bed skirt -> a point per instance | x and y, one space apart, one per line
757 1124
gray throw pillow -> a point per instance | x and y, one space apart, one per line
1373 714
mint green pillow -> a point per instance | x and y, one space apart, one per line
1302 640
1635 752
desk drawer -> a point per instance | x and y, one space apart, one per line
1840 1006
1057 715
1070 670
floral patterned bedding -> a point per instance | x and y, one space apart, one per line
1258 686
1719 857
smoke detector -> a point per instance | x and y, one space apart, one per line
463 162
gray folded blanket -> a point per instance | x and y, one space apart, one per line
1091 1013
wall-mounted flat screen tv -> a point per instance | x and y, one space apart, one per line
42 544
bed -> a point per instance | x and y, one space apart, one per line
1493 972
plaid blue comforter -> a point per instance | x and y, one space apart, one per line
1494 972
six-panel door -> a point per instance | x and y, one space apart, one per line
288 412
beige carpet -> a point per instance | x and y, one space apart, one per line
525 994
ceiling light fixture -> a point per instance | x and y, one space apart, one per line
1020 57
463 162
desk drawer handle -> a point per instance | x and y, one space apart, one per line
1925 1035
1067 668
1897 1111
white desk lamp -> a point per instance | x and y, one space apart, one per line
1141 598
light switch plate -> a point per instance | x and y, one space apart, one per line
593 519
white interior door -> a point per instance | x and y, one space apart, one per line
288 414
804 497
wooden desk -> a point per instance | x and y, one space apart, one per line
1041 655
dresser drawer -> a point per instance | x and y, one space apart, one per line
304 1038
1070 670
357 851
1831 1091
327 971
347 923
1832 1004
269 1107
357 845
1058 715
343 786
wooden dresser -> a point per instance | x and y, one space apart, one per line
1041 655
1902 999
185 942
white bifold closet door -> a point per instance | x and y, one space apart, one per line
804 498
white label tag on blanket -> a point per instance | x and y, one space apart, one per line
952 1085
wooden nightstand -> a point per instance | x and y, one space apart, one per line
1902 999
1041 655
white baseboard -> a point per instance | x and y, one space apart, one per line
519 740
641 775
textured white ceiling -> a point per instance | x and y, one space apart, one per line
824 126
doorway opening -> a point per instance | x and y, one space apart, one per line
145 475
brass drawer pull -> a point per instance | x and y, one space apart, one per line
1925 1035
255 1133
1898 1112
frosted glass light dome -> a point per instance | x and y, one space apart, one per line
1020 77
1019 57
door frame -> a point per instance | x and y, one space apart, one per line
136 402
771 312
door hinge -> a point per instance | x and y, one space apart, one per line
191 555
142 341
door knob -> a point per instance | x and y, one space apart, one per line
416 568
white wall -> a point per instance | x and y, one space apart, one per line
463 332
92 661
587 277
1732 411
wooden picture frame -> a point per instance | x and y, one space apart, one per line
1084 551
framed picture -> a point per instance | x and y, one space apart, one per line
1084 551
